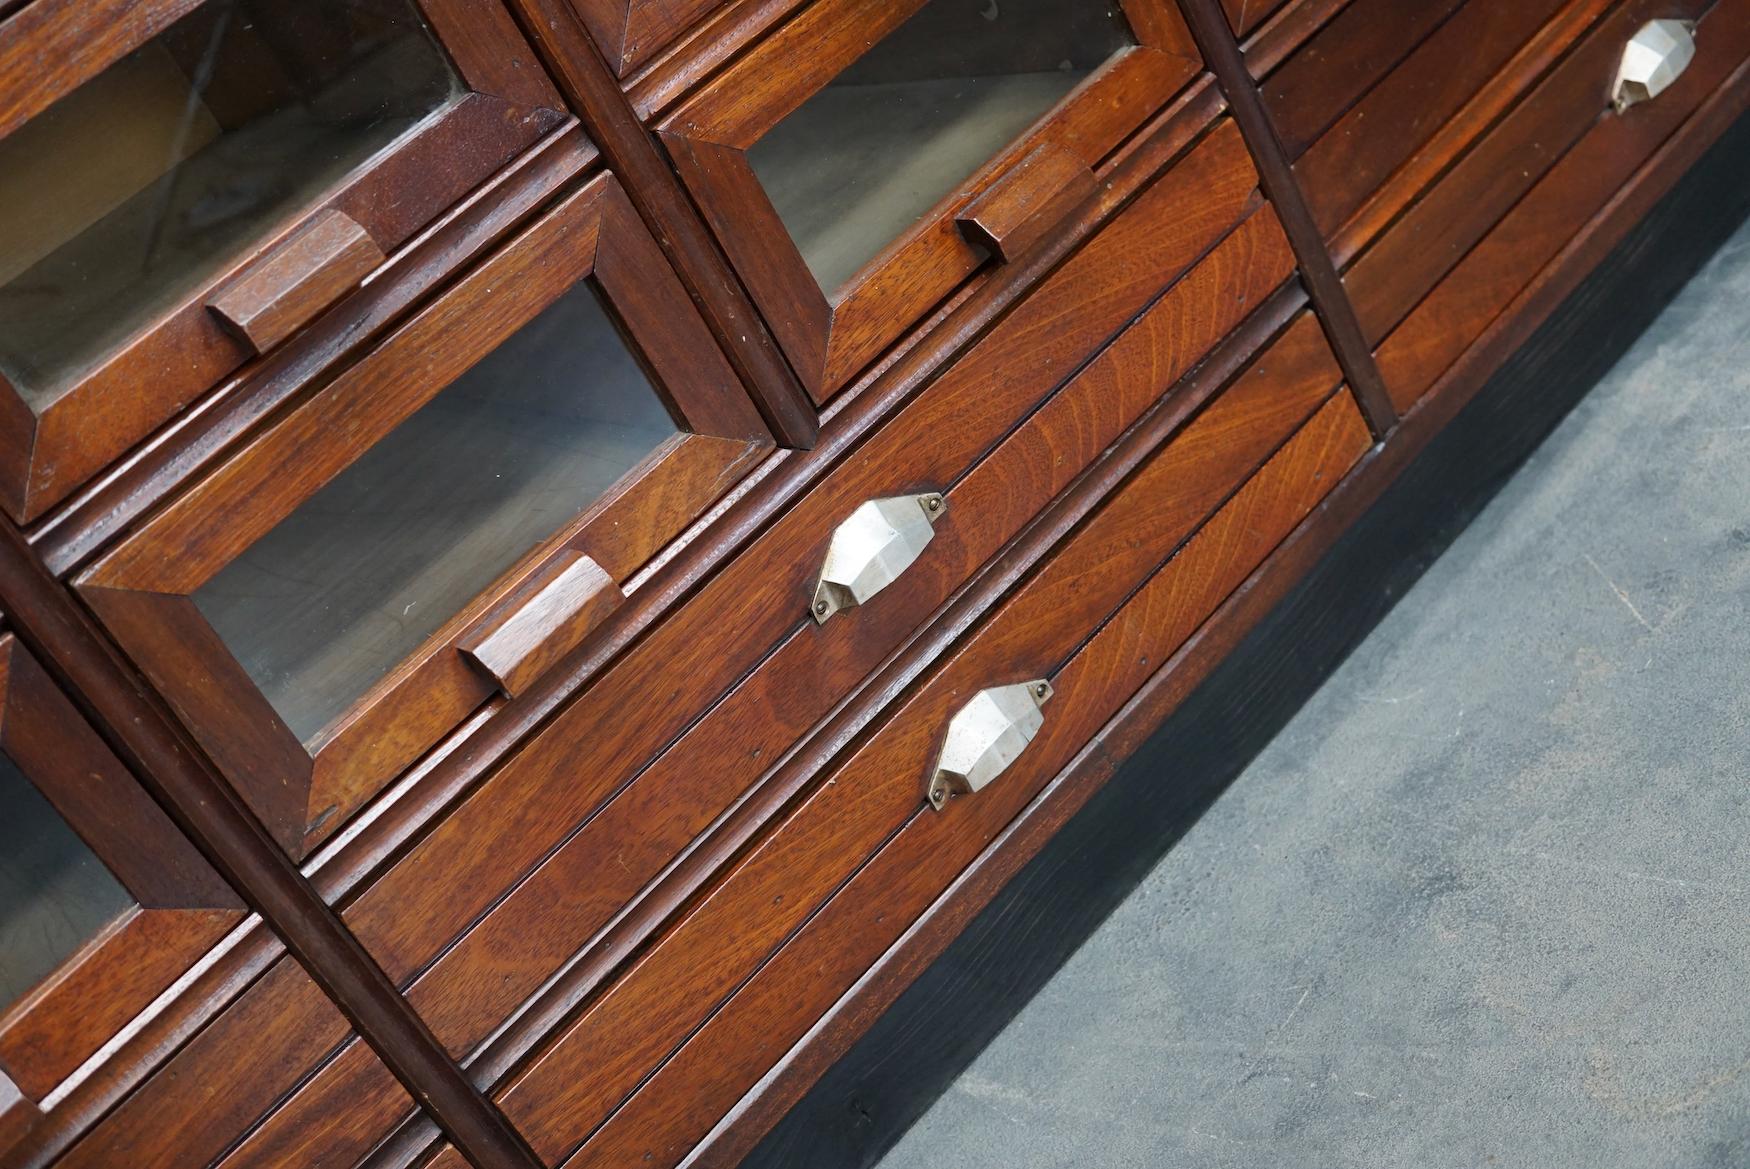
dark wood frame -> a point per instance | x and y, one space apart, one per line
631 32
829 338
131 391
183 906
142 590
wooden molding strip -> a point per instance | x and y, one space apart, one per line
1221 52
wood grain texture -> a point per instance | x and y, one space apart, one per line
144 587
1418 100
1246 15
440 780
675 1109
18 1115
878 788
1564 200
184 350
631 32
523 811
147 738
478 983
284 289
592 88
599 1058
183 905
1389 278
1022 206
936 1026
1447 142
830 337
541 620
1251 115
1361 44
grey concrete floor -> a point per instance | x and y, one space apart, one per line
1486 899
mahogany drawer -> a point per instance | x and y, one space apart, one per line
748 967
437 523
169 231
551 852
863 161
221 1084
106 904
1433 283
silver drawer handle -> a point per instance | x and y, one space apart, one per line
872 547
1654 57
985 736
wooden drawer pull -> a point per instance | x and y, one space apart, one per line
542 620
1653 59
985 736
1022 206
872 547
284 290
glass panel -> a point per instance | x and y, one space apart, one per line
120 199
54 894
356 578
862 160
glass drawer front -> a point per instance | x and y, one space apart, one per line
125 195
361 573
55 895
864 158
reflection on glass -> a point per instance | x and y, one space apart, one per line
356 578
121 198
54 894
862 160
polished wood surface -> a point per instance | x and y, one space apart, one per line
289 286
831 334
148 376
576 890
147 589
611 865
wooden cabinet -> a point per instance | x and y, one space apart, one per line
193 182
103 903
866 159
871 803
443 520
393 504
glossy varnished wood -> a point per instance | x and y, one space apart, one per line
185 349
290 285
878 789
831 336
1336 313
1080 847
144 589
589 84
1389 278
549 917
182 904
186 785
350 862
1566 198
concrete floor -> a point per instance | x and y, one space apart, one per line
1486 900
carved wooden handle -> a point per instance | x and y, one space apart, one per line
1022 206
284 290
541 620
